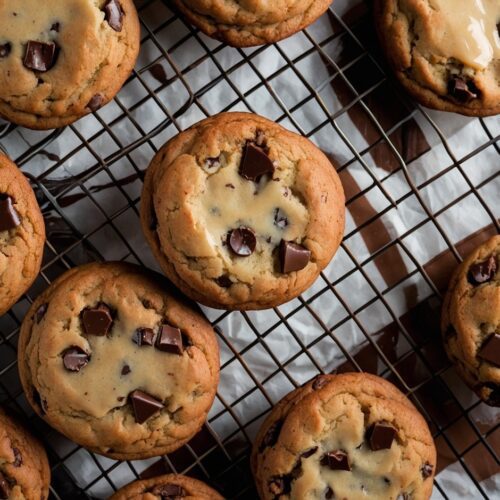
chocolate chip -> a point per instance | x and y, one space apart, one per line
97 320
490 350
158 72
168 491
113 14
272 435
426 470
74 359
230 186
309 453
255 163
242 241
212 162
336 460
144 336
126 370
381 435
224 281
9 218
319 382
40 56
40 313
462 91
169 339
293 257
55 27
280 219
18 458
96 102
482 272
329 493
4 487
5 50
144 405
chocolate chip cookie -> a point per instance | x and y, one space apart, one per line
22 234
62 59
344 436
118 364
24 468
170 486
446 53
243 23
471 321
241 213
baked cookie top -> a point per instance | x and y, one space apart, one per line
445 52
170 486
344 436
22 234
244 23
24 468
471 320
116 363
61 59
242 213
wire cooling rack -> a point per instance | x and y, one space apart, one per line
376 308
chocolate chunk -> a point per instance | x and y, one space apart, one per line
159 73
293 257
242 241
255 163
381 435
319 382
336 460
482 272
126 370
18 458
40 313
461 90
426 470
168 491
280 219
55 27
40 56
490 350
74 359
113 14
5 50
329 493
97 320
272 435
224 281
309 453
96 102
4 487
212 162
144 405
169 340
9 218
144 336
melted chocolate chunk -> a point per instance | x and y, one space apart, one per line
255 163
224 281
426 470
126 370
5 488
18 458
242 241
168 491
482 272
293 257
169 339
113 14
40 313
336 460
381 435
158 72
490 350
319 382
280 219
96 102
9 218
272 435
144 405
329 493
144 336
55 27
462 90
309 453
74 359
97 320
40 56
5 50
212 162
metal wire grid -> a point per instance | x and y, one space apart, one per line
222 458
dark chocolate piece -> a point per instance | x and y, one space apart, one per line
5 50
169 339
482 272
55 27
126 370
490 350
329 493
381 435
9 218
18 458
168 491
242 241
280 219
426 470
255 163
40 56
159 73
97 320
74 359
144 405
309 453
113 14
40 313
224 281
336 460
144 336
212 162
5 488
293 257
96 102
272 435
461 90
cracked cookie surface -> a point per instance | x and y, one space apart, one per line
118 364
241 213
446 53
22 234
63 59
168 486
24 468
245 23
349 436
471 321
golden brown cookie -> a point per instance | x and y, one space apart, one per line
170 486
241 213
446 53
24 468
245 23
62 59
349 436
471 321
22 234
115 362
